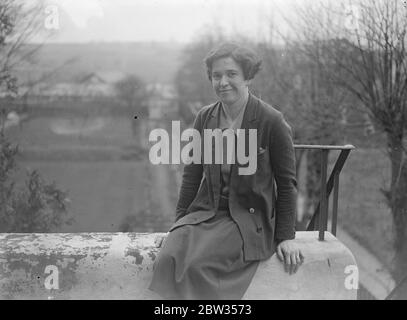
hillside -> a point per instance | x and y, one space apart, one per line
153 62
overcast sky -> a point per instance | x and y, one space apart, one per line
161 20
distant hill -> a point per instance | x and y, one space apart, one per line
152 62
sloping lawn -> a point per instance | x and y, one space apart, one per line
362 208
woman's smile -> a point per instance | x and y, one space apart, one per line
228 81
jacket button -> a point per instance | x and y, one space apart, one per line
251 210
259 229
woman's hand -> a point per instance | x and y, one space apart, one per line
159 240
289 253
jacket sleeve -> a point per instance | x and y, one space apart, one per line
191 179
282 157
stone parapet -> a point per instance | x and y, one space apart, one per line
119 266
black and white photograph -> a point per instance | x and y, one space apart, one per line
168 151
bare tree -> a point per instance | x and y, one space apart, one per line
19 23
362 49
39 206
131 90
133 93
191 82
312 104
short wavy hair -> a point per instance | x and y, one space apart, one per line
244 57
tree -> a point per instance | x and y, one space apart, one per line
7 82
131 90
191 82
368 47
19 23
311 103
40 206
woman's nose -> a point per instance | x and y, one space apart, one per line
223 81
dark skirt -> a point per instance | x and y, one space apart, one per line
203 261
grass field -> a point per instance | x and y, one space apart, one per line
101 165
67 132
362 209
102 194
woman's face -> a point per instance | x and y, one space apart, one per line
228 80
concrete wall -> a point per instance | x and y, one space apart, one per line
119 265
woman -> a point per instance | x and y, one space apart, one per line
226 222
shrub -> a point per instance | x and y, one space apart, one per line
38 206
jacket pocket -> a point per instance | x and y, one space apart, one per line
261 151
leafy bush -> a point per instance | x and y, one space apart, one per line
37 207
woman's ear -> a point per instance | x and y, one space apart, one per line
248 82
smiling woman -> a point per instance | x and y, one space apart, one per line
225 222
231 69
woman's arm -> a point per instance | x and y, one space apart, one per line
283 163
191 179
282 158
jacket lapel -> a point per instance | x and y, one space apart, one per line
250 121
214 169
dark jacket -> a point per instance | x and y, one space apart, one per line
263 204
